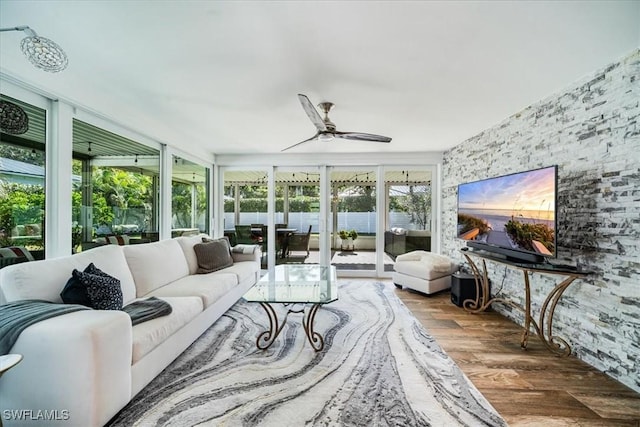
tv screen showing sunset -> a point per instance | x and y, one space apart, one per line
514 211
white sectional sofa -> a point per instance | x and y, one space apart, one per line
91 363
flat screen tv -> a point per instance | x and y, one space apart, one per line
513 216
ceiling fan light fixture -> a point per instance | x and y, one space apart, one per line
325 137
326 129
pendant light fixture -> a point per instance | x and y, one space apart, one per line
40 51
13 119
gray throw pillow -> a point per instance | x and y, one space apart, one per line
213 255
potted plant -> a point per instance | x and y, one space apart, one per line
348 237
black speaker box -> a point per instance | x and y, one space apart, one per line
463 287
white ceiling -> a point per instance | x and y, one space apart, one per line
222 76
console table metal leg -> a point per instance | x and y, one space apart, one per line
554 343
527 311
482 301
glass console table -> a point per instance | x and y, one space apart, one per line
544 326
296 286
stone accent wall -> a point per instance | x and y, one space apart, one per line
591 131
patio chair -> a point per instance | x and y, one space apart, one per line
14 255
244 235
265 239
299 242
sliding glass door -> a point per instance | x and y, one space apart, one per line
297 215
408 220
354 218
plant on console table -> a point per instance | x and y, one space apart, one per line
348 238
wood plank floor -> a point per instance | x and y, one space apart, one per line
530 387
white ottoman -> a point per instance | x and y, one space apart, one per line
424 271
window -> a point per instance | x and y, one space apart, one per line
115 191
22 177
189 201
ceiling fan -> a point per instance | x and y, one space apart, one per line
327 129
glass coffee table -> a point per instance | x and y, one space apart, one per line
296 286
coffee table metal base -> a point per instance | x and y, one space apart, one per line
266 338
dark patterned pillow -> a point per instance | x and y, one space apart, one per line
213 255
104 291
75 292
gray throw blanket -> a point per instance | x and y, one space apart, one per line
150 308
16 316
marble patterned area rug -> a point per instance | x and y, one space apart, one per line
379 367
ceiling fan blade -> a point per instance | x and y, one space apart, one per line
312 112
301 142
359 136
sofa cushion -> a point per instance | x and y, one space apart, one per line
148 335
187 243
213 255
209 287
153 265
244 249
243 270
45 279
103 290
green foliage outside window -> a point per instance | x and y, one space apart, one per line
181 203
415 203
21 205
121 197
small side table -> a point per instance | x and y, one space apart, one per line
7 362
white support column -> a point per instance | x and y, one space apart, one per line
216 198
324 242
382 197
166 170
436 202
271 230
59 152
194 206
